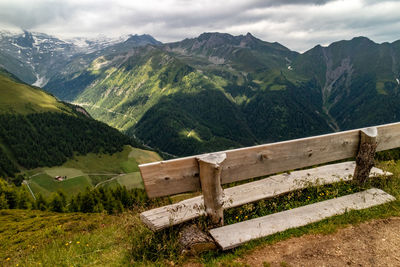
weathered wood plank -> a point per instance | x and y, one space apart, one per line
365 159
182 175
233 235
210 179
163 217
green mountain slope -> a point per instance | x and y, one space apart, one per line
38 130
80 72
358 80
19 98
219 91
203 94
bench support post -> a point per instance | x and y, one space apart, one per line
210 179
366 153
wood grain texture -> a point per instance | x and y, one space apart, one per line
163 217
210 179
182 175
233 235
365 159
193 241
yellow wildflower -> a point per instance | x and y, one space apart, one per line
78 242
8 259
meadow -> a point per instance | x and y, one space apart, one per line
42 238
91 170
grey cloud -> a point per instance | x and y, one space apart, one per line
299 25
33 14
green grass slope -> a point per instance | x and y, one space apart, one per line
204 94
37 130
358 78
19 98
91 170
40 238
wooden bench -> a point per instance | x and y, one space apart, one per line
209 172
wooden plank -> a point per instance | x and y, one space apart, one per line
233 235
210 178
163 217
365 159
182 175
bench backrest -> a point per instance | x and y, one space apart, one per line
182 175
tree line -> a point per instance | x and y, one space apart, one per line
48 139
108 200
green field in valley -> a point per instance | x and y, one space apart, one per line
92 170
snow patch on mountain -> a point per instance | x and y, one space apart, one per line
40 81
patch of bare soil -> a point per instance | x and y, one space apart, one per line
374 243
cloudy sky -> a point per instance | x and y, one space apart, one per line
299 25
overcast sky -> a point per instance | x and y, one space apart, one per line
299 25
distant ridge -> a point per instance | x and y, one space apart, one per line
219 91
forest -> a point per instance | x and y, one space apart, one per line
108 200
48 139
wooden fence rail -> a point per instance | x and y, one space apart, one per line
182 175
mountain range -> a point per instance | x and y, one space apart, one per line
216 91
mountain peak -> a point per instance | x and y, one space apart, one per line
144 38
361 38
214 35
25 40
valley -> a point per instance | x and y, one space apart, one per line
228 91
73 145
209 93
51 146
91 170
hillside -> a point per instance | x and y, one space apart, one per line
359 80
17 97
34 237
37 130
197 90
91 171
210 93
37 57
219 91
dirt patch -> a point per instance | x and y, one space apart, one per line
375 243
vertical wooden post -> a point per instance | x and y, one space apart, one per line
366 153
210 179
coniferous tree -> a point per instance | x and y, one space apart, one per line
56 203
87 202
41 203
3 202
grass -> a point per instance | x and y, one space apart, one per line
46 184
131 180
327 226
92 169
277 87
69 172
34 238
380 88
24 99
124 240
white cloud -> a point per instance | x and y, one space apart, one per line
299 25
